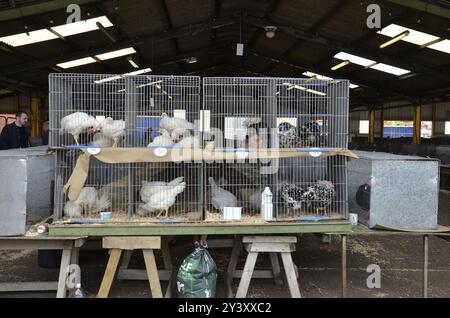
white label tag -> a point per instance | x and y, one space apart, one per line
315 153
160 152
241 154
94 151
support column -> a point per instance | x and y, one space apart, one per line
372 126
34 117
433 119
417 124
382 123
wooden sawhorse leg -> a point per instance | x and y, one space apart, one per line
344 265
63 270
116 245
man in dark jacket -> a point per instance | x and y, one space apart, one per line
15 135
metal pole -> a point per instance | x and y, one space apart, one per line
344 265
425 266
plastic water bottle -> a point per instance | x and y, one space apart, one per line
78 292
266 205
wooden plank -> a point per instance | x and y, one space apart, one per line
276 268
187 229
35 245
110 272
132 242
237 247
246 275
270 247
63 270
220 243
28 286
152 273
290 275
269 239
141 274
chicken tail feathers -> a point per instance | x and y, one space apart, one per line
176 181
103 203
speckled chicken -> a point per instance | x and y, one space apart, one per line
287 136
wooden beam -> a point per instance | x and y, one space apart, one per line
38 8
381 123
424 6
170 23
433 118
372 126
417 124
161 36
34 116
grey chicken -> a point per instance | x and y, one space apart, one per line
221 198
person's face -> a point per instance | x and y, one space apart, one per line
23 119
45 127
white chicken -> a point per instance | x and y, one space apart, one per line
77 123
164 140
72 209
172 123
100 140
88 201
161 201
221 198
150 188
179 133
189 142
114 129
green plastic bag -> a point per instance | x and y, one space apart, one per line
197 276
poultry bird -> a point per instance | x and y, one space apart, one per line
287 135
292 196
310 134
189 142
324 193
172 123
179 134
161 201
150 188
77 123
114 129
72 209
102 141
164 140
221 198
90 202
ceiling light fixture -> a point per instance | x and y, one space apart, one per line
132 62
340 65
270 31
395 39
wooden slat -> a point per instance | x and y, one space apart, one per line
247 274
270 247
110 272
269 239
141 274
132 243
152 273
28 286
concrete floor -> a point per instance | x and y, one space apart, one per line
400 259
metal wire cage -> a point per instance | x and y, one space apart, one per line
135 103
307 113
132 191
310 187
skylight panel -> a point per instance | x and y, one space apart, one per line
372 64
443 46
390 69
75 63
354 59
31 37
414 37
114 54
325 78
82 26
64 30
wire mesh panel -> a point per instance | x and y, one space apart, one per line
311 187
312 113
131 192
250 114
115 110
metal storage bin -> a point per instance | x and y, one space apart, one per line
25 188
404 190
